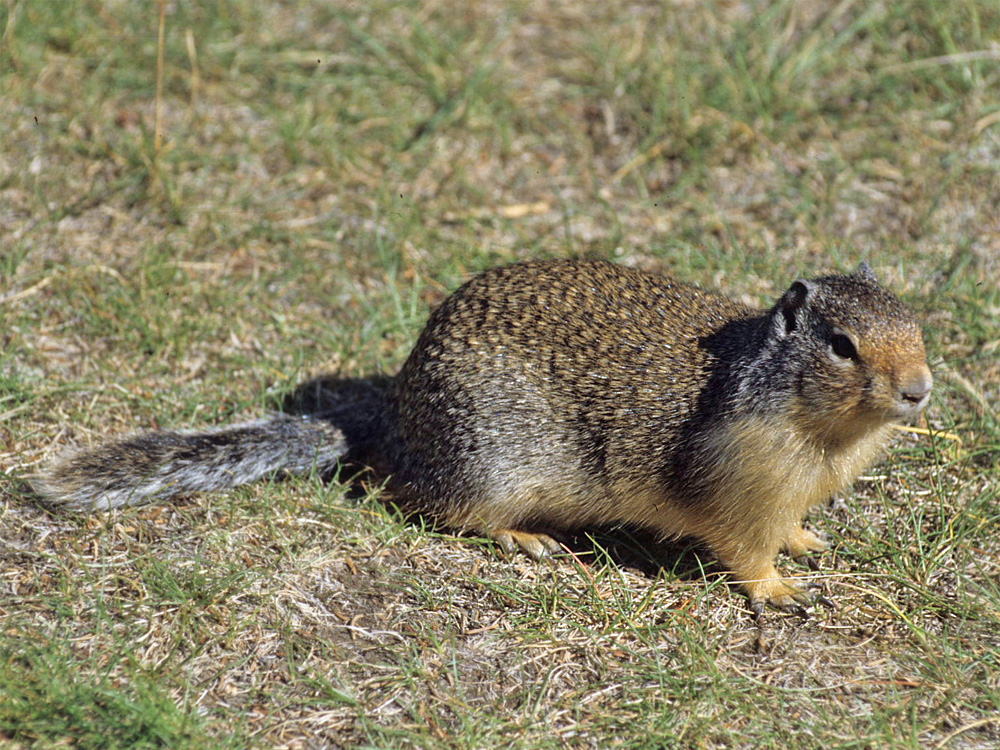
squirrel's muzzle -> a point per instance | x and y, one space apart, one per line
914 391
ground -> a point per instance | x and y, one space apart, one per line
292 188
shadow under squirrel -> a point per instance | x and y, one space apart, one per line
550 396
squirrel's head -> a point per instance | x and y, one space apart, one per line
856 353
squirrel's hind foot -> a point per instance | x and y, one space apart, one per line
534 545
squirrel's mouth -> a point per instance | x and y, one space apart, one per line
904 412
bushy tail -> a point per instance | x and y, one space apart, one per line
160 465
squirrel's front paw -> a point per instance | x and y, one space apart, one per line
785 594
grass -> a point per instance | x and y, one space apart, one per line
326 175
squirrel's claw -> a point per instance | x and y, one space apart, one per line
813 592
824 601
808 561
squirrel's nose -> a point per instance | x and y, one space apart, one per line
917 387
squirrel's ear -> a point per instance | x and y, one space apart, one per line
865 272
790 306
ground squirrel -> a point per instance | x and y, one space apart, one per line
548 396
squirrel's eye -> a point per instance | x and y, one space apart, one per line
842 346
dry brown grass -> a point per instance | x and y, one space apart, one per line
327 174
